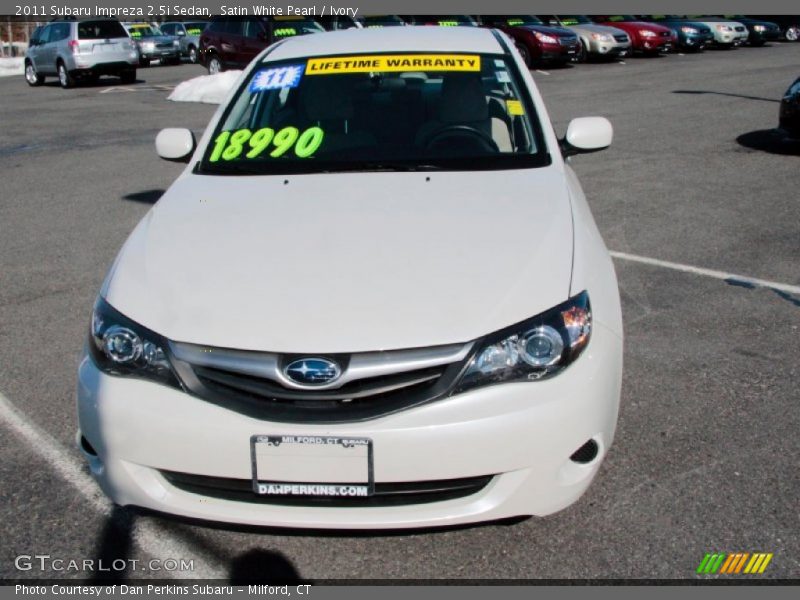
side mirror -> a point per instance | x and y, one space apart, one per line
587 134
176 145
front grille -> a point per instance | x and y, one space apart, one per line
621 38
371 385
568 40
386 494
163 45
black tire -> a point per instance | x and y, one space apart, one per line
193 55
792 33
33 78
128 76
64 78
583 53
144 62
215 65
526 55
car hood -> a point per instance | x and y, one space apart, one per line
591 28
547 29
156 39
347 262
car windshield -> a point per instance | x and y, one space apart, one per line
379 112
143 31
522 20
622 19
574 20
381 21
288 26
195 28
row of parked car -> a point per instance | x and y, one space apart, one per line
231 42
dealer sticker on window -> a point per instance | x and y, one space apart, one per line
393 63
277 78
309 465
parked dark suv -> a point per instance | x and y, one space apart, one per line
232 42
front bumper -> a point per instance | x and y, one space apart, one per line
522 434
559 52
612 48
695 41
156 53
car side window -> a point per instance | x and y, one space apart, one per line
168 29
253 28
44 37
234 27
61 32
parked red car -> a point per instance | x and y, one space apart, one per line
232 42
537 43
646 38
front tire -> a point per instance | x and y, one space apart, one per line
583 53
193 55
31 76
526 55
214 65
144 62
64 78
792 33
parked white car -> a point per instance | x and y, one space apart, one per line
375 298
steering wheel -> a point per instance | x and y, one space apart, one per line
466 134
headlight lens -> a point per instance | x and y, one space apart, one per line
601 37
148 45
759 28
176 43
688 30
544 38
724 28
647 33
537 348
120 346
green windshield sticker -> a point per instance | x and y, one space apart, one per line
285 31
515 22
229 145
194 31
448 23
569 21
136 34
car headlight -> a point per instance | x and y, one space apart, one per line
539 347
647 33
601 37
176 43
544 38
759 28
120 346
688 29
724 28
148 45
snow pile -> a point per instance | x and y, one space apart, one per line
11 66
210 89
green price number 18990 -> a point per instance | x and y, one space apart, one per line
229 145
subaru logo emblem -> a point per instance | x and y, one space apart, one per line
312 371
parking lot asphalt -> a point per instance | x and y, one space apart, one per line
705 457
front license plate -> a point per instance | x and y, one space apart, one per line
294 465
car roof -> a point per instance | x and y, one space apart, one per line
389 39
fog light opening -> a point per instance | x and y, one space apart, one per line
586 453
87 447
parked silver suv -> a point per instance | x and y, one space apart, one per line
80 50
189 35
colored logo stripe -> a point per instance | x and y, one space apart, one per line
729 564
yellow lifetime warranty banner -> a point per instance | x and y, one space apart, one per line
393 62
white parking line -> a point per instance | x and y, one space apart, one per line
150 538
730 277
542 72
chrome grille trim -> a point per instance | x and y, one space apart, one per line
360 365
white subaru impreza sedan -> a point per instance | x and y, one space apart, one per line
375 298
